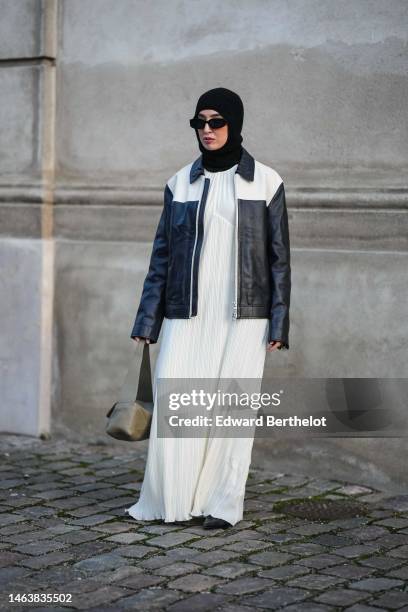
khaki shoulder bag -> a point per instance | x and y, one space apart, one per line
130 417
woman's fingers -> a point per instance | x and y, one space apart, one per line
274 346
138 339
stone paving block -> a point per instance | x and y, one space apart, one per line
132 486
40 548
166 558
193 583
171 539
9 558
241 534
9 574
276 598
381 513
394 522
235 607
399 551
200 603
377 584
354 490
319 561
243 586
85 512
52 494
69 503
136 551
89 549
139 581
213 557
381 562
401 572
399 503
304 548
391 540
316 581
34 512
350 523
331 539
100 563
42 561
393 600
60 529
90 521
270 558
365 532
126 538
112 575
283 572
342 597
92 488
20 501
247 546
229 570
280 538
147 599
9 519
347 570
155 529
79 536
117 502
179 569
309 606
112 528
15 529
357 550
272 527
26 537
208 543
362 608
311 529
11 483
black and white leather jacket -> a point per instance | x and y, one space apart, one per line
262 262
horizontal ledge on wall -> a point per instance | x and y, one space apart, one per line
304 198
390 198
27 61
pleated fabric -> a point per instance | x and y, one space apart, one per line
187 477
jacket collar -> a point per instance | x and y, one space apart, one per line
246 167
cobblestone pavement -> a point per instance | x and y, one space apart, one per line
64 531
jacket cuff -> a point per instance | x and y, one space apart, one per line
146 331
277 334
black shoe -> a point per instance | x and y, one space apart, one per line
215 523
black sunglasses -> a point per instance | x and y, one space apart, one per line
215 123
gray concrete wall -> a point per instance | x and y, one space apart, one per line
98 97
27 121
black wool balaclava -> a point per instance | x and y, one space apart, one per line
230 106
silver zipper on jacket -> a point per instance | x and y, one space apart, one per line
194 249
235 302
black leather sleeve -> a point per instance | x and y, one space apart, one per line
280 270
150 314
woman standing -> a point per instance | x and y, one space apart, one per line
216 323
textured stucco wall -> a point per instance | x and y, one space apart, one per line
323 86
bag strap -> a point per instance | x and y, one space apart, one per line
139 368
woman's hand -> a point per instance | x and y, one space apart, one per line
140 338
274 345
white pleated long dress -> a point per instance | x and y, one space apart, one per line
187 477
